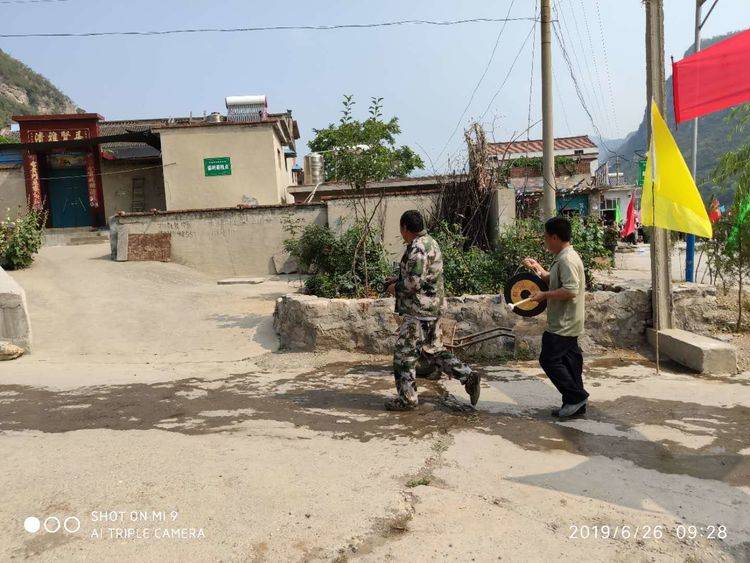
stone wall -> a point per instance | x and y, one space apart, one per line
15 326
615 318
223 242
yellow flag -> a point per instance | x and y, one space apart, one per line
670 199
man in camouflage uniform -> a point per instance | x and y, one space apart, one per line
419 295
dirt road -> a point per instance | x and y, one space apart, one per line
157 415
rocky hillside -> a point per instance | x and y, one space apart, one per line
23 91
713 139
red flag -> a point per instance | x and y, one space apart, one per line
713 79
629 227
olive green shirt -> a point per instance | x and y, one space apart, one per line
566 318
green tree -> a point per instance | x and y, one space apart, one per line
359 152
734 170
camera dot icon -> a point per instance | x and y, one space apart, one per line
32 524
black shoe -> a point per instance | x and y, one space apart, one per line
473 387
399 404
579 412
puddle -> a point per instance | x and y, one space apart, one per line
346 401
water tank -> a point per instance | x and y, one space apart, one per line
314 171
214 117
246 108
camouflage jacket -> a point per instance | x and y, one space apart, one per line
419 289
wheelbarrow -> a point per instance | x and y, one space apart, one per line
426 367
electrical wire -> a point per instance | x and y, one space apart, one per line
599 105
579 93
268 28
606 66
32 1
478 84
507 75
565 30
594 60
114 172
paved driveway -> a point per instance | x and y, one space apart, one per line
156 414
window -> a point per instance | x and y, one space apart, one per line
278 157
578 151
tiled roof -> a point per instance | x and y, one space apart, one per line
130 151
536 145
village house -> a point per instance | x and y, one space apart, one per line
576 160
583 186
83 169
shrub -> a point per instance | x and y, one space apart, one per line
524 238
328 257
20 238
465 270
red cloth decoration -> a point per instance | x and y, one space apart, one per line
629 227
713 79
714 212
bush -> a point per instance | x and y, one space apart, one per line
328 257
466 269
20 238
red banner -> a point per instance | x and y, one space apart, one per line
713 79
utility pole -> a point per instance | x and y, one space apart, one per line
690 239
661 281
549 206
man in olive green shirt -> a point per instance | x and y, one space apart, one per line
561 357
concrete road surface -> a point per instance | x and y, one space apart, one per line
156 421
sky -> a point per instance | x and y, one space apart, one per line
426 74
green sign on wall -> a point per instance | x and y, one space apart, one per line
218 166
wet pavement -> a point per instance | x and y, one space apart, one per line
689 430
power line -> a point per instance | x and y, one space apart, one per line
598 104
479 83
531 76
594 58
606 66
507 75
579 93
31 1
114 172
269 28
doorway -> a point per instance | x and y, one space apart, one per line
68 198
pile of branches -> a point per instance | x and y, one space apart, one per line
466 198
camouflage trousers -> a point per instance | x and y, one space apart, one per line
421 338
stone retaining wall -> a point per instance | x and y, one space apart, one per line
15 326
616 317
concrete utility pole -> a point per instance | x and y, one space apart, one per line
661 280
548 136
690 239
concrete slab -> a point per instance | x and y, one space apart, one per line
241 281
15 326
699 353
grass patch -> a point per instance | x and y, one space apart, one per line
417 482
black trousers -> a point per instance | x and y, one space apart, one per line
562 361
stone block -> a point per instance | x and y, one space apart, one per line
15 326
696 352
153 247
283 263
9 351
241 281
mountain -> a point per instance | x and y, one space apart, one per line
23 91
713 140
